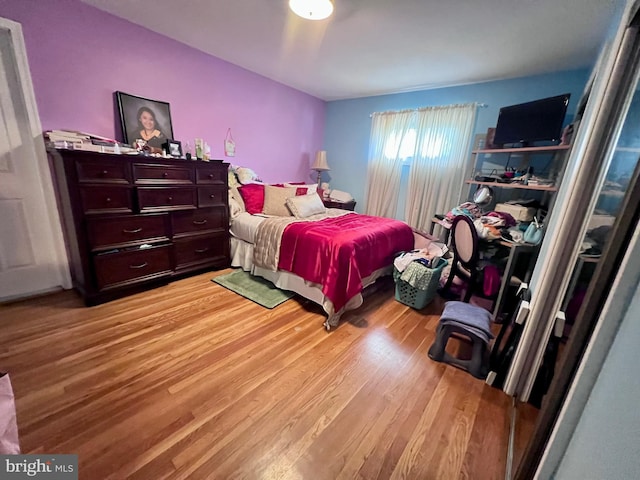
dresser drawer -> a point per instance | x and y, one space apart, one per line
159 174
166 198
112 232
212 196
198 221
103 171
112 199
132 266
201 249
212 174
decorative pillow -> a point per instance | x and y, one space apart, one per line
253 197
288 184
301 188
275 198
235 194
233 180
246 175
304 189
305 205
234 208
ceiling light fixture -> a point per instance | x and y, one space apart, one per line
312 9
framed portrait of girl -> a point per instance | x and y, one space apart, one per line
145 119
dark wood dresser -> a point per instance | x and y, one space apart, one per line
132 222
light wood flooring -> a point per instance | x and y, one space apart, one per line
191 381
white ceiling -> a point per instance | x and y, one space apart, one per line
373 47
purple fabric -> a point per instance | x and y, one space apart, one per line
509 221
491 280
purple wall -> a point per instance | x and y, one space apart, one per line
79 56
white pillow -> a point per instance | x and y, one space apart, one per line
275 198
245 175
304 206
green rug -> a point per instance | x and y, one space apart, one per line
256 289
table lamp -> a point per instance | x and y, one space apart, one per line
320 165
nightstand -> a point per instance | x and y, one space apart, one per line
343 205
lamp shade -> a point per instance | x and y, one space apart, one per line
312 9
320 164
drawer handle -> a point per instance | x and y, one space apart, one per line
202 250
169 199
135 267
199 222
213 195
165 174
108 200
105 173
136 230
211 176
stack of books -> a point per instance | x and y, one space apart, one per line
75 140
543 182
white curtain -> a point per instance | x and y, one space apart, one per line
388 132
440 160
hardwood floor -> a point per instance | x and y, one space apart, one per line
191 381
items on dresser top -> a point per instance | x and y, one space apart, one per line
130 222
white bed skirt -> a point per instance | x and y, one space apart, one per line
242 256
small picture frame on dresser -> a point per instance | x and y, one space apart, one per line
173 148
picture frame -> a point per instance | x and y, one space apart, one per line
144 118
173 148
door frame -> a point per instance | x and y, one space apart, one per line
60 261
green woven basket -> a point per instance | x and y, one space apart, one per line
415 297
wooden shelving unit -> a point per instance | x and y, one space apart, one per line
550 148
544 188
522 150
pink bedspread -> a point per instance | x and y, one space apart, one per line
339 252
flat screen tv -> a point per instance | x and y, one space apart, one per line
537 121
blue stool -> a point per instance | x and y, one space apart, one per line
468 321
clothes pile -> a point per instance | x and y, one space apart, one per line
489 226
469 209
413 265
595 240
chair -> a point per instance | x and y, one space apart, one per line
464 243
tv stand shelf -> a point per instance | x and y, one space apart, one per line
550 148
544 188
558 151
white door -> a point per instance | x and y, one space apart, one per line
32 257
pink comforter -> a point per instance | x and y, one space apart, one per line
339 252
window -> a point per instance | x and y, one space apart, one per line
405 146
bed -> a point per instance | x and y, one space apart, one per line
327 257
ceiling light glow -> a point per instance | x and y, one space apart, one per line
312 9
